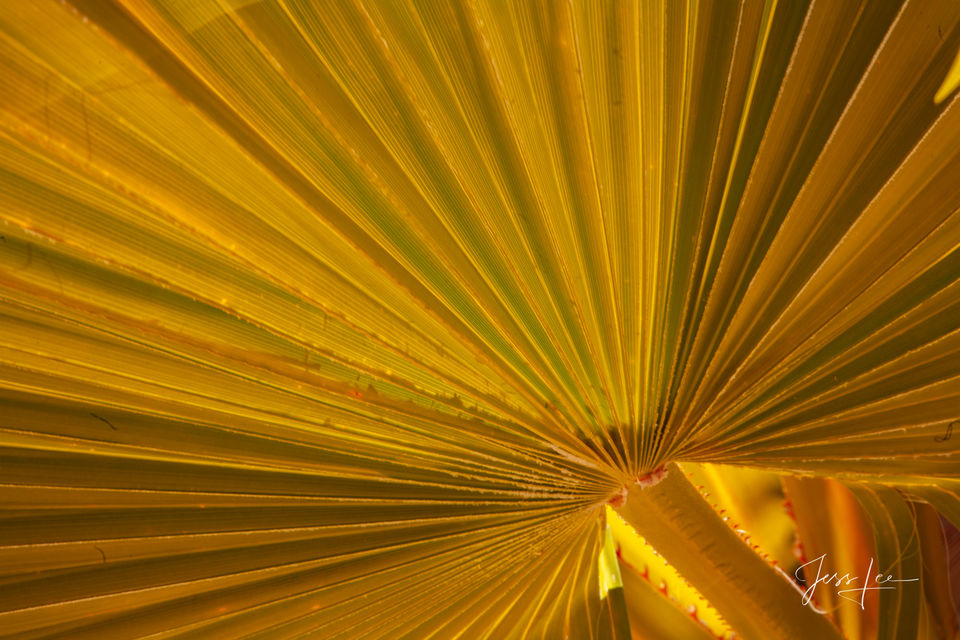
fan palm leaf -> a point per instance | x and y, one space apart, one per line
370 319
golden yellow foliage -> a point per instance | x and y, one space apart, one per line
350 319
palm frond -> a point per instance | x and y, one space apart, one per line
349 319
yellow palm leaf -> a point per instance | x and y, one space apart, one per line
351 319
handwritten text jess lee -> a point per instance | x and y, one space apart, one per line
845 580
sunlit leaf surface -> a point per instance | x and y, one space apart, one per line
347 319
834 535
